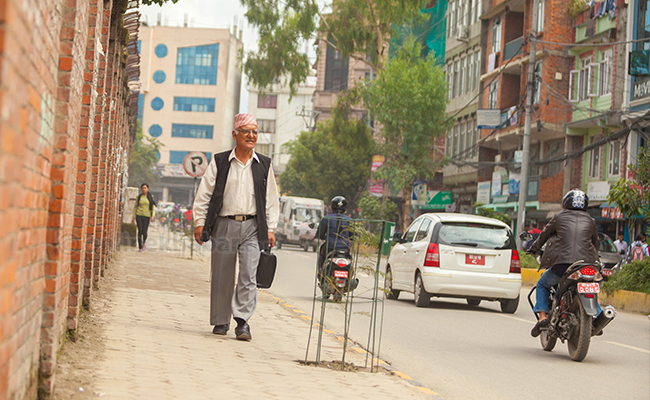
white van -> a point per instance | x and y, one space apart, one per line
296 213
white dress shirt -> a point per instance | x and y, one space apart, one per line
239 193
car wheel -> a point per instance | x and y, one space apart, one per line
421 297
473 302
509 306
391 293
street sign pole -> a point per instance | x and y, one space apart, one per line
530 95
195 164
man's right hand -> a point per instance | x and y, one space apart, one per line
197 234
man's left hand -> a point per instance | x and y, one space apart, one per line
271 239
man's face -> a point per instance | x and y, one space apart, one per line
246 136
620 237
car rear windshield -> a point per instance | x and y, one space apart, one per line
477 235
607 245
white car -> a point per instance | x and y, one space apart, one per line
456 255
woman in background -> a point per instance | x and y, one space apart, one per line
143 212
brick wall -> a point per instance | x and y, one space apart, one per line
64 135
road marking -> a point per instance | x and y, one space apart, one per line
518 319
305 317
402 375
629 347
427 390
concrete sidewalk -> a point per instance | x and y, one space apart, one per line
156 343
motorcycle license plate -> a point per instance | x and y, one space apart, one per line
474 259
584 287
340 274
607 272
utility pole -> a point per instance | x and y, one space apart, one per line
525 156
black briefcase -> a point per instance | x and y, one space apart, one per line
266 269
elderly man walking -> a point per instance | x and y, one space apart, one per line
236 207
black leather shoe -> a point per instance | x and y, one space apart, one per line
243 332
537 329
221 329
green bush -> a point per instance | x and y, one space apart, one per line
528 261
634 277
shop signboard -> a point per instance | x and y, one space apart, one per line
598 191
419 194
513 183
437 200
376 186
488 118
496 183
483 192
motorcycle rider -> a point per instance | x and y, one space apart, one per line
334 230
570 236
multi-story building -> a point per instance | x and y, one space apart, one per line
189 93
506 24
463 69
281 119
597 82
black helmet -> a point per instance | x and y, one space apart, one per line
575 199
339 204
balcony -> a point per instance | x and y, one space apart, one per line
513 48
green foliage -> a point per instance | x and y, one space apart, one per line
528 260
371 207
633 196
142 159
357 28
487 212
333 160
634 277
575 7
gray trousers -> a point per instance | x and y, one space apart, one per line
231 239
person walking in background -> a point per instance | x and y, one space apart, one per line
143 213
237 205
621 244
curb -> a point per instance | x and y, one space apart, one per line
619 299
358 348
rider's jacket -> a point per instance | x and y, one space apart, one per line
335 228
572 235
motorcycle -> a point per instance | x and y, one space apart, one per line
574 307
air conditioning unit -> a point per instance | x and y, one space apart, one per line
463 33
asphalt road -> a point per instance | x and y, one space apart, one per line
464 352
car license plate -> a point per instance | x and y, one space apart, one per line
474 259
588 287
340 274
607 272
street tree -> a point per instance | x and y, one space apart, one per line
408 99
332 160
142 159
632 196
359 29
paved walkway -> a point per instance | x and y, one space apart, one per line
156 343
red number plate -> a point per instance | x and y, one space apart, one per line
607 272
340 274
474 259
588 287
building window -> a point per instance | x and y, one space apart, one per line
469 136
160 50
157 104
605 73
496 35
460 16
155 130
594 159
195 104
554 149
461 141
456 78
140 106
476 138
449 80
461 78
159 76
538 82
197 65
336 71
454 149
540 15
263 149
192 131
579 80
452 19
477 4
448 142
176 157
266 125
614 155
493 94
269 101
477 69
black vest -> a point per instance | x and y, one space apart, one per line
260 173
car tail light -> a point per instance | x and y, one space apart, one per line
515 263
588 271
432 258
341 262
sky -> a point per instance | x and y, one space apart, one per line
207 14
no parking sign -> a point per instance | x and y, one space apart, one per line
195 164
